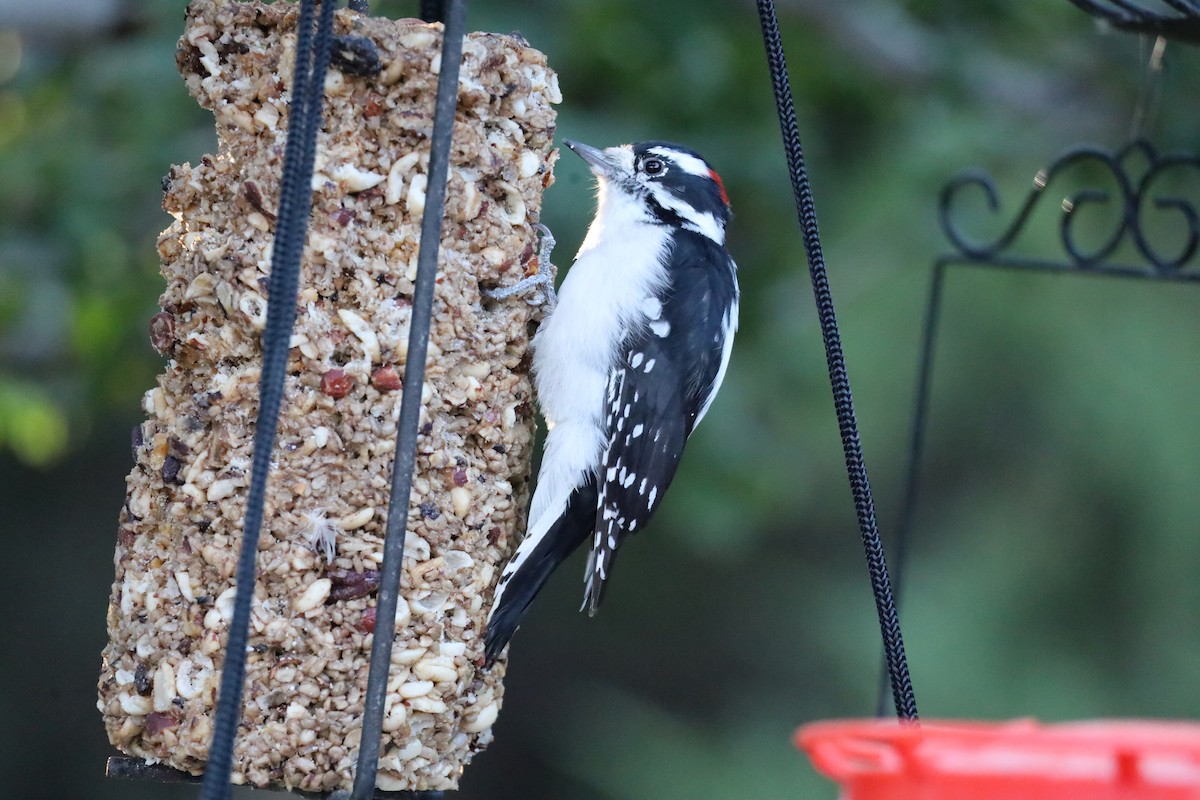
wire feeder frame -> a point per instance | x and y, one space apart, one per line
1135 169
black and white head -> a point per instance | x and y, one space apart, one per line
672 184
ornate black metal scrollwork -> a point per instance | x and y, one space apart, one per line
1181 21
1135 171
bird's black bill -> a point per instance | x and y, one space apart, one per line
595 157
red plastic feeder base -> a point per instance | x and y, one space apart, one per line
1019 760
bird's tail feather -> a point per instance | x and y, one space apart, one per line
596 581
565 534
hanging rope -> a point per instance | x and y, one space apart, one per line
295 203
410 403
885 606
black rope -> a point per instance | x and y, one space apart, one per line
295 203
410 404
860 487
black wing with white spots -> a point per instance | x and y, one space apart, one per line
668 373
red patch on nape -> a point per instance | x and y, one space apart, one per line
720 185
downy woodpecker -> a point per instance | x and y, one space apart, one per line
626 364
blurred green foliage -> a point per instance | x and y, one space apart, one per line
1056 540
84 140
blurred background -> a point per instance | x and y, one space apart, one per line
1053 561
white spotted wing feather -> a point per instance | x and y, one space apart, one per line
668 375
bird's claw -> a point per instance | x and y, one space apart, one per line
543 280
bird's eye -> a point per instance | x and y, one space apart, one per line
654 166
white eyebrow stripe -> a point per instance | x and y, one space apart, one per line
622 154
688 163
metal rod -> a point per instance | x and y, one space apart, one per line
1130 16
410 404
916 449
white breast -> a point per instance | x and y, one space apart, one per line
617 268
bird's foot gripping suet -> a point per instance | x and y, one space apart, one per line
542 281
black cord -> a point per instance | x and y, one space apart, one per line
410 404
889 623
295 203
